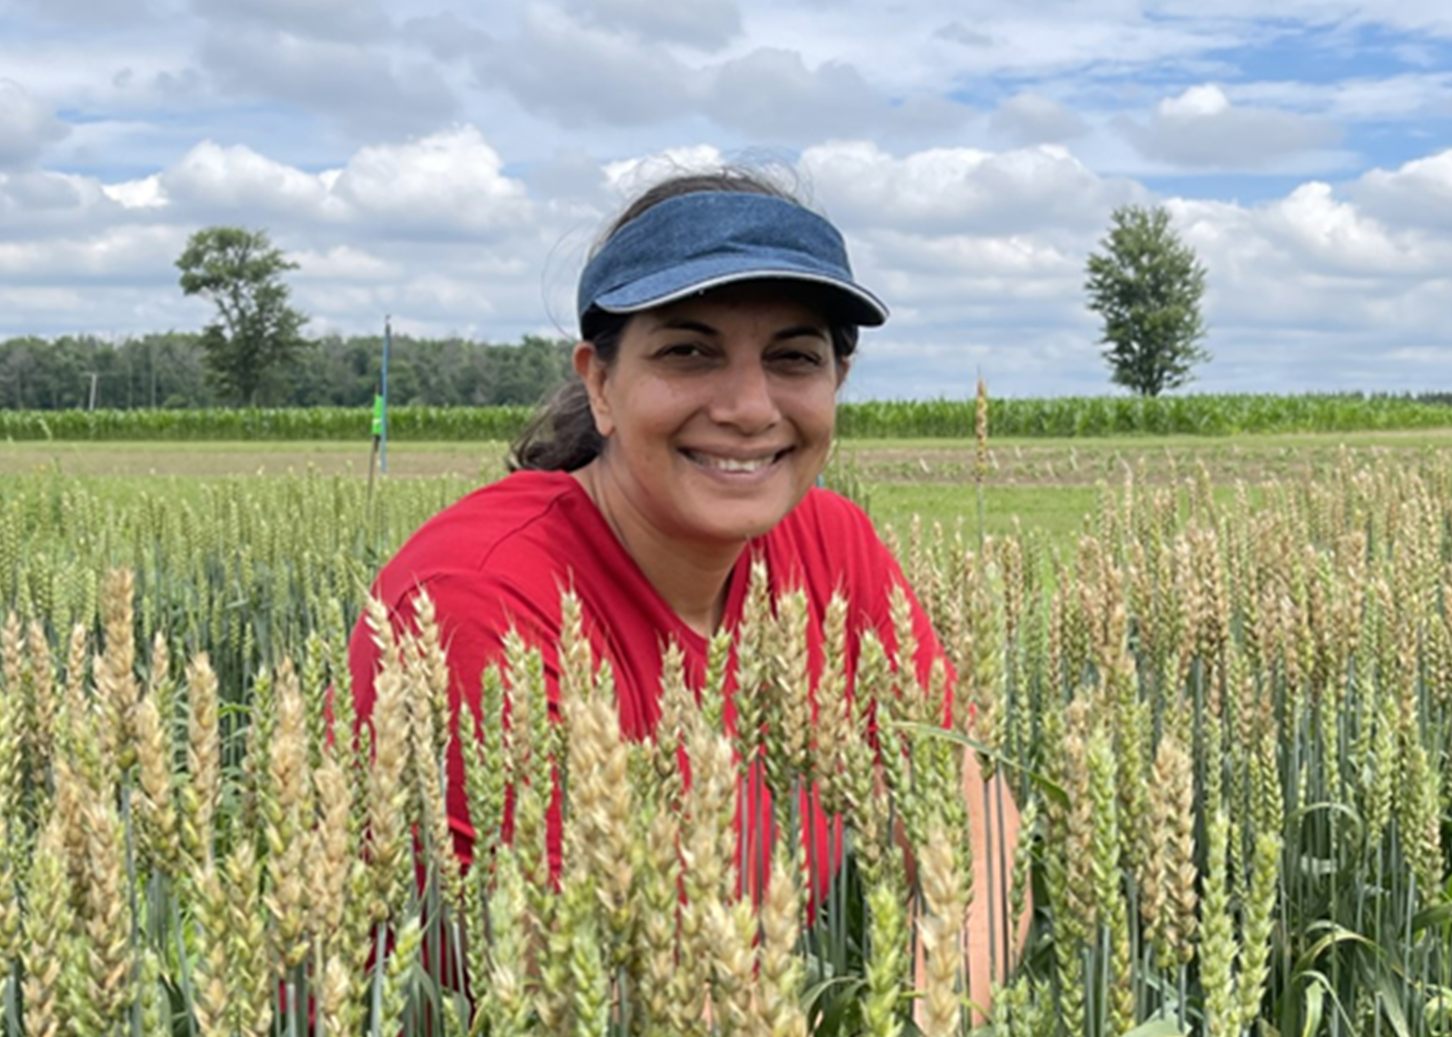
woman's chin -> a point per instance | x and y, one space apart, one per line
728 521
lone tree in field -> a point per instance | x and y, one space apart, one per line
256 331
1147 285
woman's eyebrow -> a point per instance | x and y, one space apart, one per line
800 330
702 328
685 324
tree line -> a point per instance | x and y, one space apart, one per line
169 370
1146 285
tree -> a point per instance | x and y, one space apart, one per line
256 331
1147 286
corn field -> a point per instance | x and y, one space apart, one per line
1198 414
1228 730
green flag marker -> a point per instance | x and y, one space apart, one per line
377 414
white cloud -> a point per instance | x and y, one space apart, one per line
1430 356
1312 265
1202 129
570 174
128 254
367 90
1418 195
957 32
450 164
356 20
1359 99
447 185
1198 101
630 176
705 24
145 193
949 190
431 230
92 12
343 263
771 93
1333 236
582 74
27 126
222 181
1029 118
988 267
451 182
446 35
1014 41
587 74
41 304
36 203
102 70
979 253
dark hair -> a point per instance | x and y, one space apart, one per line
561 435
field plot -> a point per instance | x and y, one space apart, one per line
1047 484
1216 674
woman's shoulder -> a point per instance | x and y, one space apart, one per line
827 541
521 521
506 507
824 515
519 497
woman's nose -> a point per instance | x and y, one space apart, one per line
744 398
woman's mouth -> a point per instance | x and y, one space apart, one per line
741 465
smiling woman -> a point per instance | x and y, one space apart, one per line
718 412
718 319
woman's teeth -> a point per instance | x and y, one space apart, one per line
733 464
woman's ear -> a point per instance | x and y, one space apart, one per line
843 363
592 372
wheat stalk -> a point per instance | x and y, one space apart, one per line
47 928
940 929
287 809
198 796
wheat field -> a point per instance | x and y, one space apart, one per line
1228 728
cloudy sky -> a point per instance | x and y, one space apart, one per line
449 163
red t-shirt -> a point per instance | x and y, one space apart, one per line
499 558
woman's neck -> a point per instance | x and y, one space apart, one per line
691 577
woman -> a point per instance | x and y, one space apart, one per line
718 319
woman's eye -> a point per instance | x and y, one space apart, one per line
798 358
682 350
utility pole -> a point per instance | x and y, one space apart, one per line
383 392
94 377
378 457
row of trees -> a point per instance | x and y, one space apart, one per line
171 370
1145 283
255 351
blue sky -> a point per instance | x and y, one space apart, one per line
449 164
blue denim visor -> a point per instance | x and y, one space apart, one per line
699 241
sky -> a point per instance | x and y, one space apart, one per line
447 166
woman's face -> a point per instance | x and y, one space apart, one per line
717 411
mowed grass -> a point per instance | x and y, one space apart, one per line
1031 484
1057 512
